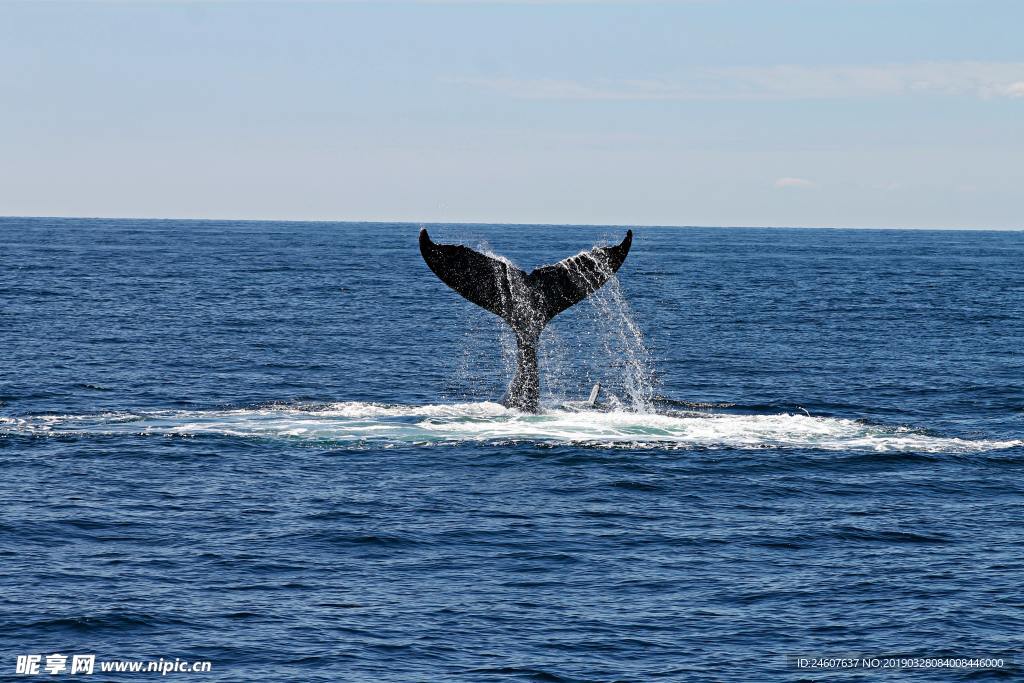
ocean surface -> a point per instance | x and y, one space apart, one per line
277 447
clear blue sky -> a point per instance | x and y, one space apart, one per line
885 113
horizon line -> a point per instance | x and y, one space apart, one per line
515 224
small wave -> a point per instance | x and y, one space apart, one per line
93 387
113 621
521 674
853 533
357 424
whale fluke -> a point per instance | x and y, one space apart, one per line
527 302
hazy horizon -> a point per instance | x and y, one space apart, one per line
637 226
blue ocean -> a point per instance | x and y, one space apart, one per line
278 447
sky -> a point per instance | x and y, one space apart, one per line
832 113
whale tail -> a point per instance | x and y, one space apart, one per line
527 302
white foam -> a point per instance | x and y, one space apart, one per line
388 425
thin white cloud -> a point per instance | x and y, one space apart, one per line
535 2
1011 90
547 2
783 183
390 2
986 80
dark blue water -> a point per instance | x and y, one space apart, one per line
274 446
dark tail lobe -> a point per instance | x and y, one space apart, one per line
527 302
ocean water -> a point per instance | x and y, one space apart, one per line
276 447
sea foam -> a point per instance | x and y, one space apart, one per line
356 423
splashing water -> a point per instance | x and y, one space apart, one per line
505 282
609 345
598 340
357 425
623 345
